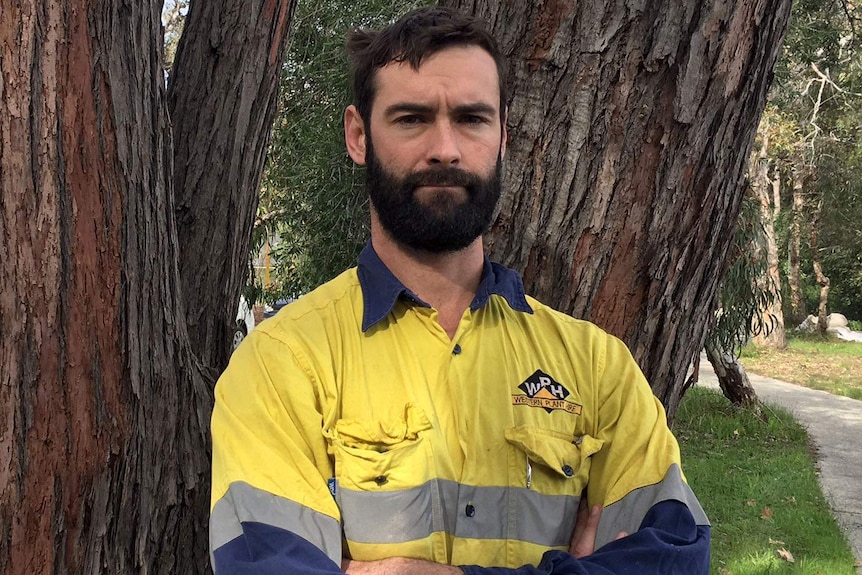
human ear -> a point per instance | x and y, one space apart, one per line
354 134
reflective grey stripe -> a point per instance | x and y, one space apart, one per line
243 502
441 506
627 513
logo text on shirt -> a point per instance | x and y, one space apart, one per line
541 390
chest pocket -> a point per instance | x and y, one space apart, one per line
550 462
383 455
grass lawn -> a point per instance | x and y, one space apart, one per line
812 361
757 482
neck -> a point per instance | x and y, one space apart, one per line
448 282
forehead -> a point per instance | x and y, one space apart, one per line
460 74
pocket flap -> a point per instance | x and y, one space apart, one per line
382 434
558 451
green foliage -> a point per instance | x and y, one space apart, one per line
814 121
744 291
312 196
758 485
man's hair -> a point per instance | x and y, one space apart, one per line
414 37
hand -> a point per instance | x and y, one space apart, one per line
586 527
397 566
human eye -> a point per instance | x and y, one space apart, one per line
475 120
408 120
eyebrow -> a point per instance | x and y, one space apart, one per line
413 108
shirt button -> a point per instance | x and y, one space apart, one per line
456 350
381 480
470 511
567 469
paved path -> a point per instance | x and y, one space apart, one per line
834 424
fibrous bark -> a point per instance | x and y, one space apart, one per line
732 379
104 407
630 124
221 98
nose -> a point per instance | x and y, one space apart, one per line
444 147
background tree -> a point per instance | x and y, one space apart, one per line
104 404
630 128
816 123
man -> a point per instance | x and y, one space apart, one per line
419 412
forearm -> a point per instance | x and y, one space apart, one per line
398 566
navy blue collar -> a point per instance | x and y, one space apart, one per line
381 289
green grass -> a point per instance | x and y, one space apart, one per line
812 361
757 482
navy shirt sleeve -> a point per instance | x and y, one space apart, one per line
266 550
669 542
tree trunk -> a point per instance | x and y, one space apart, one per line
630 126
797 304
221 98
104 408
771 316
733 380
822 280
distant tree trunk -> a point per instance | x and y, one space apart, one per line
764 189
822 280
629 132
104 407
226 75
797 303
776 192
732 379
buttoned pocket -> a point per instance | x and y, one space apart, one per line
383 455
551 462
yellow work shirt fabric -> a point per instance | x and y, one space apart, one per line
473 450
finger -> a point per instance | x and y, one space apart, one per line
580 521
620 535
586 541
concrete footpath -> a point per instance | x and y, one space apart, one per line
834 424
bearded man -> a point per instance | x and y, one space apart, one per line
419 414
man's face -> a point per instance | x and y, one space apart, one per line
433 147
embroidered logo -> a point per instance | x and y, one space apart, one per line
541 390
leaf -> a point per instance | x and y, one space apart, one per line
790 500
775 541
751 502
785 554
723 571
766 513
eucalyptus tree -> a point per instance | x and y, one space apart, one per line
116 197
630 127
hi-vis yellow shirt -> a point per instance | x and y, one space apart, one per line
394 440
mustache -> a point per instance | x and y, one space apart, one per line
442 176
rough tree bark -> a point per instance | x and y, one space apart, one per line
732 379
764 189
630 126
104 407
221 98
794 282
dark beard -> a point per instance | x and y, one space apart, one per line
443 223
